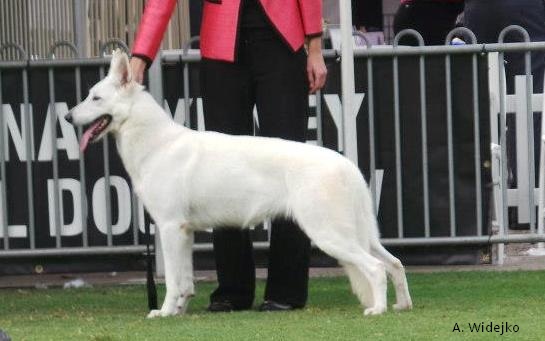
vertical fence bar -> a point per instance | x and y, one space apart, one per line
185 75
107 185
30 35
349 131
503 137
397 128
3 29
3 193
27 132
47 25
83 196
541 203
504 172
424 142
17 29
450 152
476 124
530 141
186 93
107 194
82 178
477 143
29 157
80 20
135 217
371 122
371 117
54 151
319 122
29 38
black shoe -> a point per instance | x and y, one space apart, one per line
221 307
274 306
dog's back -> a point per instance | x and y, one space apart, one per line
247 179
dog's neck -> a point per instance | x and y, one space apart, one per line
146 130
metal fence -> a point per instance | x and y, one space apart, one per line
37 24
501 104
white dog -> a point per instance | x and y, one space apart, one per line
190 181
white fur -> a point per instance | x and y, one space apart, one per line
190 181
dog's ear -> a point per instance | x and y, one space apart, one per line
119 68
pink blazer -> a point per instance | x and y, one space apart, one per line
293 19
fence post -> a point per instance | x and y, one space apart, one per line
350 137
80 23
156 80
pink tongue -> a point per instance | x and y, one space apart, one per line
87 136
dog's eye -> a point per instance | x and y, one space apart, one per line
96 98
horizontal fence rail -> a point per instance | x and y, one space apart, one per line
108 182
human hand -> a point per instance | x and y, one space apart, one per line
316 69
138 66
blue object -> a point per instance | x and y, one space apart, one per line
4 336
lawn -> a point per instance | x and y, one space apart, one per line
441 300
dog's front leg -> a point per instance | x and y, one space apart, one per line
186 279
177 244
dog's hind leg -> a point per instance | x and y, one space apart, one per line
397 273
365 272
335 236
177 247
360 285
368 237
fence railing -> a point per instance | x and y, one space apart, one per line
406 68
38 24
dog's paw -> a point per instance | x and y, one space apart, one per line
159 313
154 313
402 306
374 311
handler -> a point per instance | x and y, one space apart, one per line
252 54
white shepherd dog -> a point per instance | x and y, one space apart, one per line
190 181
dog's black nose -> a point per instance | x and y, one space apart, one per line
68 117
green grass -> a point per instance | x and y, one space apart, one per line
440 301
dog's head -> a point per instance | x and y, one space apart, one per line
106 106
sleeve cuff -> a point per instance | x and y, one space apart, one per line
314 35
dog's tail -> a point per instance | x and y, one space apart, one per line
366 220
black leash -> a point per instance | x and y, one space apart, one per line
150 281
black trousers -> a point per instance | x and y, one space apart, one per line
272 77
432 19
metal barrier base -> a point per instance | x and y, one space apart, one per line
432 241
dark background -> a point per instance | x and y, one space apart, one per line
385 155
